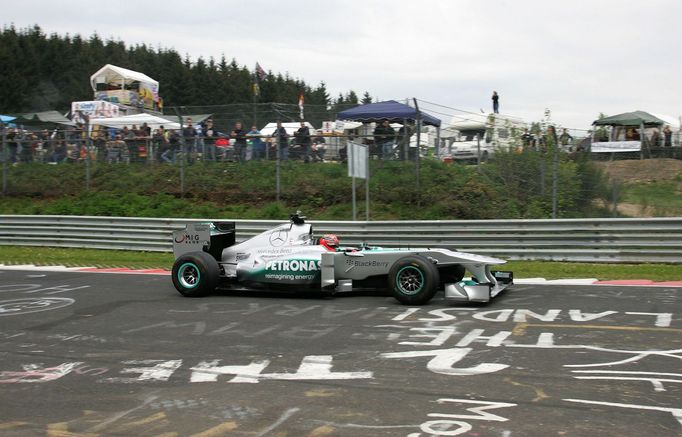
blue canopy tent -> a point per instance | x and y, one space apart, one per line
6 118
394 111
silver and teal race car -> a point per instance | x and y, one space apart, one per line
289 257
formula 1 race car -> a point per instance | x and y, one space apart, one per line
289 257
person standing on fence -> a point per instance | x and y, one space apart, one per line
565 139
496 102
282 138
404 134
257 144
161 146
146 130
239 137
139 151
189 134
209 135
44 148
173 146
384 136
13 144
59 151
655 138
318 147
114 148
302 138
28 145
667 136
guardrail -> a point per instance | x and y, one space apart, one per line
588 240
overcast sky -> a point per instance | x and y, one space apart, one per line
577 58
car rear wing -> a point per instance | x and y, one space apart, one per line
210 237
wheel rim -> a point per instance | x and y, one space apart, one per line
188 275
410 280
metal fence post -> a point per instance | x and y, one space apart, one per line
543 169
183 152
555 178
278 164
419 128
4 157
87 155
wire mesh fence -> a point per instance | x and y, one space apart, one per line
548 175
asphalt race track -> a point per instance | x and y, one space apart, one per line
87 354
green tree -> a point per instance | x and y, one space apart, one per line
366 98
49 72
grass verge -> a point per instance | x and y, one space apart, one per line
150 260
601 271
85 257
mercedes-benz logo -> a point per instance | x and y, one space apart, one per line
278 237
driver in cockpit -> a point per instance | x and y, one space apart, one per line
330 242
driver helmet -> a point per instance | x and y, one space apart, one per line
330 241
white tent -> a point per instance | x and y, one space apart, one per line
152 121
111 74
290 127
344 125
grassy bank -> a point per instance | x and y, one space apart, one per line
654 199
147 260
514 187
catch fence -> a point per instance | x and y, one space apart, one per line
85 154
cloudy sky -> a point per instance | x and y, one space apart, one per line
577 58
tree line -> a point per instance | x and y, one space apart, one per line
43 72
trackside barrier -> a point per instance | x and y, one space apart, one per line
586 240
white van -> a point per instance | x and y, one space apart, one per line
464 139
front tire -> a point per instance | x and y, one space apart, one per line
413 280
195 274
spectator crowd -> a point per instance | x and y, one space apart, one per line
194 142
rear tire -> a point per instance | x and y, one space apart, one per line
195 274
413 280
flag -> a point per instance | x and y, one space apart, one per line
260 72
301 100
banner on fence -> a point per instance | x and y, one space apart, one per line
616 146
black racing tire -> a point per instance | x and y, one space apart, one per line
451 274
413 280
195 274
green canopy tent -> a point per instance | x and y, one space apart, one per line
41 119
631 132
635 118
